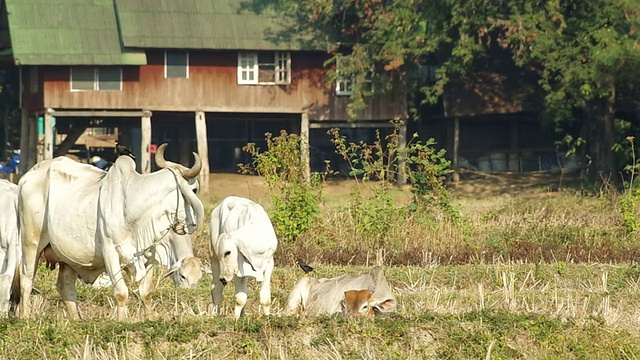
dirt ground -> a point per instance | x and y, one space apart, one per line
254 187
471 184
480 184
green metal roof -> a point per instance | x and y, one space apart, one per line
208 24
116 32
67 32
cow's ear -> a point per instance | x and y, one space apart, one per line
386 306
245 252
343 306
173 268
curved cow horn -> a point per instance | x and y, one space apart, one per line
190 173
160 161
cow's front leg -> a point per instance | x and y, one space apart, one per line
120 290
146 285
216 285
265 289
241 295
66 286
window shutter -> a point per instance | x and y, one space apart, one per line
83 78
176 64
283 67
343 84
247 68
109 78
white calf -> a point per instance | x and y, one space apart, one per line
242 245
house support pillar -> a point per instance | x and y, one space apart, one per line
24 141
514 154
33 142
48 135
203 151
145 143
402 147
304 145
28 141
456 146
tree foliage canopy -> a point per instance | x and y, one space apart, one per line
581 51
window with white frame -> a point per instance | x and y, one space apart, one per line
344 84
96 78
176 64
264 67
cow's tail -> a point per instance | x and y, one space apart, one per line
15 249
15 287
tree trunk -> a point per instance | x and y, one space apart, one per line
599 117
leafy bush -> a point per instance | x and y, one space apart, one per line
374 217
294 198
387 161
629 201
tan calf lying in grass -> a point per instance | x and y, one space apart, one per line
366 294
358 303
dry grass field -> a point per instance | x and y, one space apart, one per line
535 271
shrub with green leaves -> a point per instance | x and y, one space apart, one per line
376 167
424 167
629 201
294 198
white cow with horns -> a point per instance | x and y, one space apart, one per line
90 221
242 245
9 244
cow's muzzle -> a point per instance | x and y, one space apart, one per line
223 281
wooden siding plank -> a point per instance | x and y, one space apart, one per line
350 125
212 87
98 113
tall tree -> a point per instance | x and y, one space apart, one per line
584 51
393 40
581 50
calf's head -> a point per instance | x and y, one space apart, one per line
232 254
358 303
186 272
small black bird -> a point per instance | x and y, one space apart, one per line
304 266
123 150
